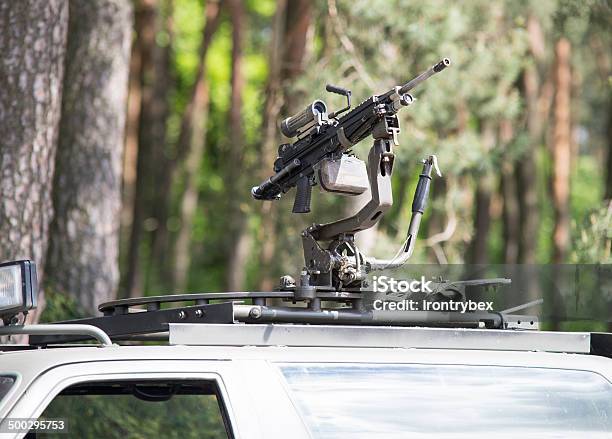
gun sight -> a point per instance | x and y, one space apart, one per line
291 126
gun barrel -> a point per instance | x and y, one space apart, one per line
269 190
444 63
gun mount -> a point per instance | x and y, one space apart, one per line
322 153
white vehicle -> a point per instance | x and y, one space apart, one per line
215 377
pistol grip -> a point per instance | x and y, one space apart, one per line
422 191
302 195
421 194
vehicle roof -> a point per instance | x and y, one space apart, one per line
42 359
29 365
285 343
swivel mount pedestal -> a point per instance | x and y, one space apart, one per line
332 260
339 263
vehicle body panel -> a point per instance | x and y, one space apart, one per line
255 394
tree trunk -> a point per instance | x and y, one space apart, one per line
162 161
33 45
602 58
84 238
192 142
510 211
510 214
130 151
479 247
238 238
526 185
561 151
482 221
291 23
526 170
132 281
608 189
274 102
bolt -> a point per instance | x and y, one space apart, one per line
199 313
255 313
182 315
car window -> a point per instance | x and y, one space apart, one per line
437 401
140 409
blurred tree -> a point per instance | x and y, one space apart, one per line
608 191
292 21
130 150
479 248
561 150
510 215
32 44
163 156
84 236
237 225
375 45
272 108
151 181
191 144
526 162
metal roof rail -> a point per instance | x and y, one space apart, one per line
379 337
59 330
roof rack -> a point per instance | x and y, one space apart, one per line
121 321
231 321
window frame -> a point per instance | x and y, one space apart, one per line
54 381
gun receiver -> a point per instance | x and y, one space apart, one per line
322 149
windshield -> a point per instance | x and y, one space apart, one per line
395 400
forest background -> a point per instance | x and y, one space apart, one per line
131 133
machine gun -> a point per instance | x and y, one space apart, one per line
323 149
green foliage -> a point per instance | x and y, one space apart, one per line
370 46
189 21
487 42
120 416
394 41
59 307
593 237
